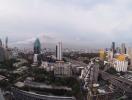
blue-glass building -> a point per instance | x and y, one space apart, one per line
37 46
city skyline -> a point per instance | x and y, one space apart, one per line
65 50
75 23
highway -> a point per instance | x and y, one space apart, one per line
119 82
76 62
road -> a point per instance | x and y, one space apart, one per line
119 82
76 62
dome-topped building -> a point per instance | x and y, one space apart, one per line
37 46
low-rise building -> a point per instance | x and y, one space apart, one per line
47 66
63 69
120 63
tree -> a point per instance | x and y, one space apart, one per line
112 71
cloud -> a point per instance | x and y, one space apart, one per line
72 21
42 37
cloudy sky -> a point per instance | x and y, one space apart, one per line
90 23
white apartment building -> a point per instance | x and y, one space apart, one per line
120 65
63 69
59 51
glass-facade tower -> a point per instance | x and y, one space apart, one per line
37 46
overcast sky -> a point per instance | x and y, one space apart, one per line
74 22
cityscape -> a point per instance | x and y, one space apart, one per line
64 74
56 60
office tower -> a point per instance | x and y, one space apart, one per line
37 49
123 48
118 50
37 46
0 43
6 42
129 53
59 51
56 51
113 47
2 54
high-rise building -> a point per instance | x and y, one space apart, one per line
0 43
2 54
6 42
59 51
123 48
56 51
113 47
37 50
129 53
118 50
37 46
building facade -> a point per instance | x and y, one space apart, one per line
37 50
59 51
113 48
120 65
123 48
63 69
37 46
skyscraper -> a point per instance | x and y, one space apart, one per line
6 42
37 46
37 50
0 43
56 50
113 48
123 48
129 52
118 50
59 51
